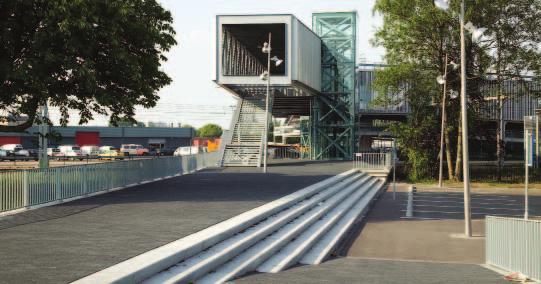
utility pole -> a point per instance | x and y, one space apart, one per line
464 114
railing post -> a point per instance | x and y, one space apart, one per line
26 189
58 185
84 178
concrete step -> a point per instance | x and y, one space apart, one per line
271 237
268 248
292 253
196 267
323 248
281 239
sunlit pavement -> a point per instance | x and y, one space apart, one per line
428 248
63 243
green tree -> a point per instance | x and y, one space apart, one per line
89 56
127 122
512 42
209 131
417 36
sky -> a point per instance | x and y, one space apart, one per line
193 98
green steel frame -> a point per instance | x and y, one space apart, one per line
333 121
306 143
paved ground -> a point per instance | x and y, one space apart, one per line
350 270
438 218
389 248
63 243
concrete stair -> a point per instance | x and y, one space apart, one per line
305 230
245 147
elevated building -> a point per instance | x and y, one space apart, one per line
318 79
315 79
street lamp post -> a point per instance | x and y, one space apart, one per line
464 113
266 135
440 182
444 4
266 76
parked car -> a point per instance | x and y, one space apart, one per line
110 153
13 148
186 150
17 151
52 152
33 154
90 150
70 151
165 151
134 149
5 155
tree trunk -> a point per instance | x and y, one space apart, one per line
458 166
448 154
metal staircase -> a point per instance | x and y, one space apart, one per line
246 145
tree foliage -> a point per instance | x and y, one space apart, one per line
209 131
417 36
126 122
90 56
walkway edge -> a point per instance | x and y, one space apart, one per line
141 267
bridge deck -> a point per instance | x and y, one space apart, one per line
66 242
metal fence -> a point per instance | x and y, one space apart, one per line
514 245
26 188
285 153
372 161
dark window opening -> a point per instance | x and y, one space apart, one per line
241 49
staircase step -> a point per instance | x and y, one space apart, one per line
297 228
197 266
291 254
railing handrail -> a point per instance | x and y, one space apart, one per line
32 187
513 218
371 160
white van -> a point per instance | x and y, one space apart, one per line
185 151
15 149
90 150
71 151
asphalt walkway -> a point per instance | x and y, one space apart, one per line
63 243
387 247
365 271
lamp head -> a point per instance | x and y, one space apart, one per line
476 32
266 48
440 79
277 60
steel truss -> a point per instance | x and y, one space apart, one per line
333 121
237 60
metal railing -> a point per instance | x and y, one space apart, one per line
514 245
372 161
27 188
285 153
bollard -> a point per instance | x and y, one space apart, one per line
409 209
